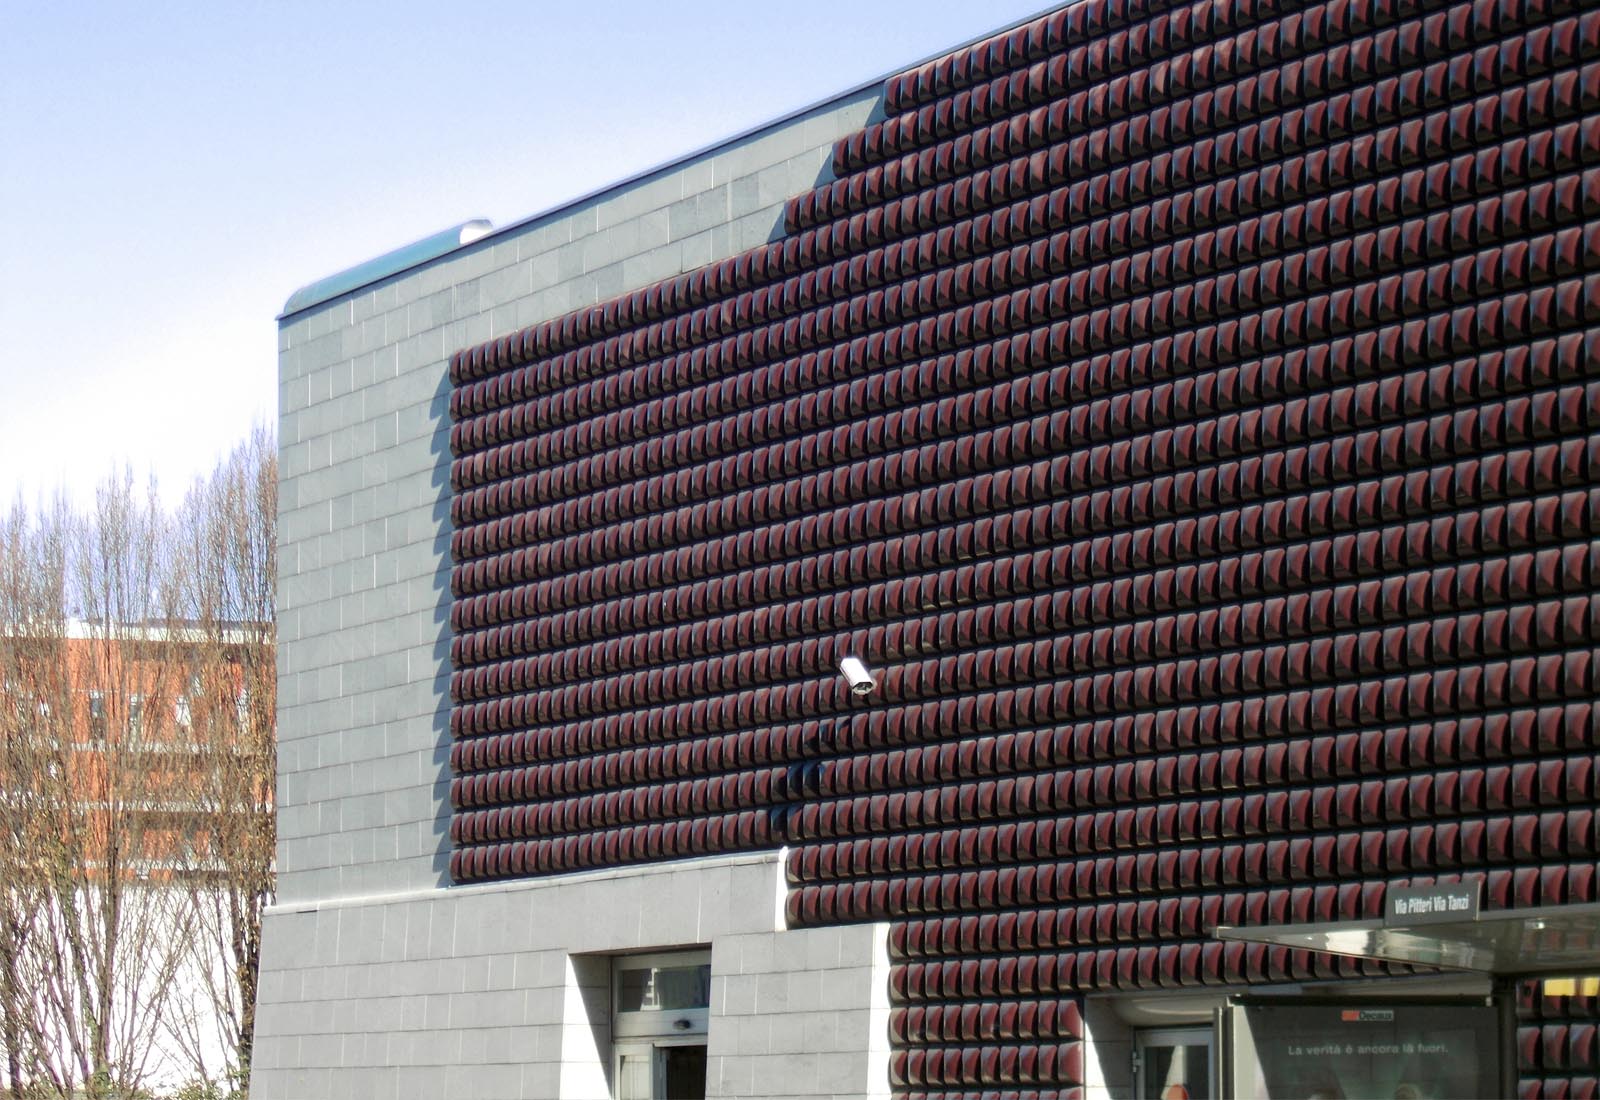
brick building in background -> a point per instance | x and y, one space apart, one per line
1190 413
124 750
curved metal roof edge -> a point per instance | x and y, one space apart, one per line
437 245
390 263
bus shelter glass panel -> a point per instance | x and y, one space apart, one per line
1340 1051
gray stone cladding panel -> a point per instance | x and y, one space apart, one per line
498 991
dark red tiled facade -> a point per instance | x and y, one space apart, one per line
1192 412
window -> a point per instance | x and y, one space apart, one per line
183 706
17 701
661 1006
97 716
651 988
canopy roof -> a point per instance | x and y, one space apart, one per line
1549 940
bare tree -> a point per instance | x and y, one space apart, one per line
118 919
137 695
229 542
32 657
86 661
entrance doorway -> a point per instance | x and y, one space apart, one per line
1175 1064
659 1025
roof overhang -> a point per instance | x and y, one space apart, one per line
1548 941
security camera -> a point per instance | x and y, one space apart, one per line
857 675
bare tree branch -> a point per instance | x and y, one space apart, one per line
230 547
137 769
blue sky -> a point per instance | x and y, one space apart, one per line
171 172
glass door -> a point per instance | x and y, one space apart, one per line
660 1011
1175 1064
682 1072
663 1070
636 1072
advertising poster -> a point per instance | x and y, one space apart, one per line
1356 1052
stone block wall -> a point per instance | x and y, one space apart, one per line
502 992
788 1004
